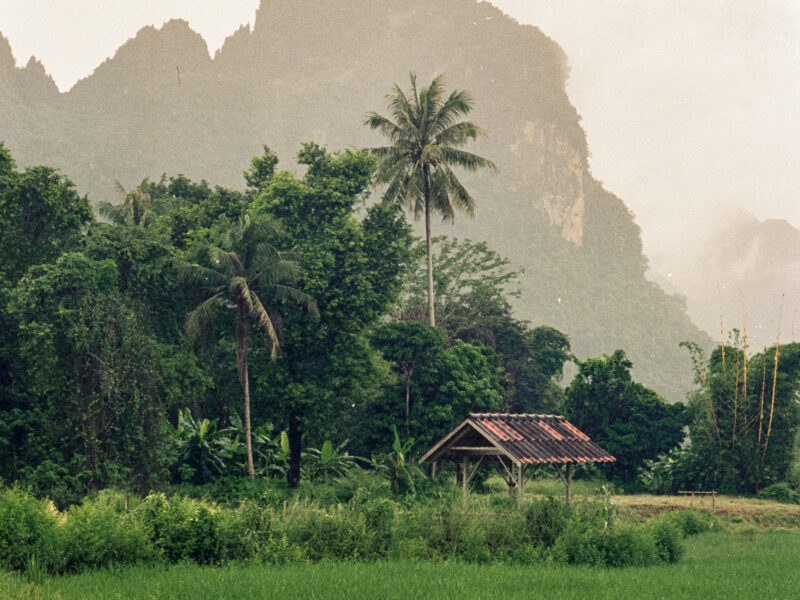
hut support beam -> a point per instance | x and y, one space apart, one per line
508 477
464 467
566 478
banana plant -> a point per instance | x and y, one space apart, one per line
396 464
329 463
200 446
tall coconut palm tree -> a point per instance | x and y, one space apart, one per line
425 134
249 275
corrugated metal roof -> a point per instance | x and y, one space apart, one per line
526 438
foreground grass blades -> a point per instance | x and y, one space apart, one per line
716 565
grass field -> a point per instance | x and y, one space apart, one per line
739 564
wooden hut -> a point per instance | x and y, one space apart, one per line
512 442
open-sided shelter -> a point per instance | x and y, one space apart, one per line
513 442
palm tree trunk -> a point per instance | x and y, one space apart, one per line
429 247
408 405
241 360
295 450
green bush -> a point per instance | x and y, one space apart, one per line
667 537
545 521
28 531
780 492
321 534
691 522
183 529
622 545
99 534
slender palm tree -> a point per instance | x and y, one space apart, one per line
134 208
425 134
249 275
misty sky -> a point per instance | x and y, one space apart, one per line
687 104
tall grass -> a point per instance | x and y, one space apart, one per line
719 565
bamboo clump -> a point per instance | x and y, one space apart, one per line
774 382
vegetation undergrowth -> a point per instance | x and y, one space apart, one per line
352 518
764 563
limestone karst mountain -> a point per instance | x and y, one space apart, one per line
310 71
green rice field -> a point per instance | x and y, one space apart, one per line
742 564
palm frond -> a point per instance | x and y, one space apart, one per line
197 320
465 160
459 134
285 293
458 196
260 314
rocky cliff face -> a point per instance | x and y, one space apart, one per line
310 71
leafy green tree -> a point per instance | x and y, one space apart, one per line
742 433
534 362
261 171
91 373
474 287
41 216
425 135
409 346
251 276
353 268
622 416
451 384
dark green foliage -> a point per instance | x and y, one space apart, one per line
201 447
329 462
667 535
545 520
780 492
733 444
182 529
625 418
364 524
41 216
91 375
474 287
261 170
353 270
691 522
620 546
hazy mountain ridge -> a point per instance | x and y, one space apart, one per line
310 71
747 266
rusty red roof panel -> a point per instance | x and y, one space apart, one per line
538 438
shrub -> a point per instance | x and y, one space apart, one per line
182 528
98 534
691 522
623 545
667 537
545 520
27 531
780 492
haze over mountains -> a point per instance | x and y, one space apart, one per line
311 70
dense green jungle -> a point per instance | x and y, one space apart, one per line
175 110
239 303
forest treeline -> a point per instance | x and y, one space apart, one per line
103 384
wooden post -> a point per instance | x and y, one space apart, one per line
521 485
464 478
713 508
568 481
